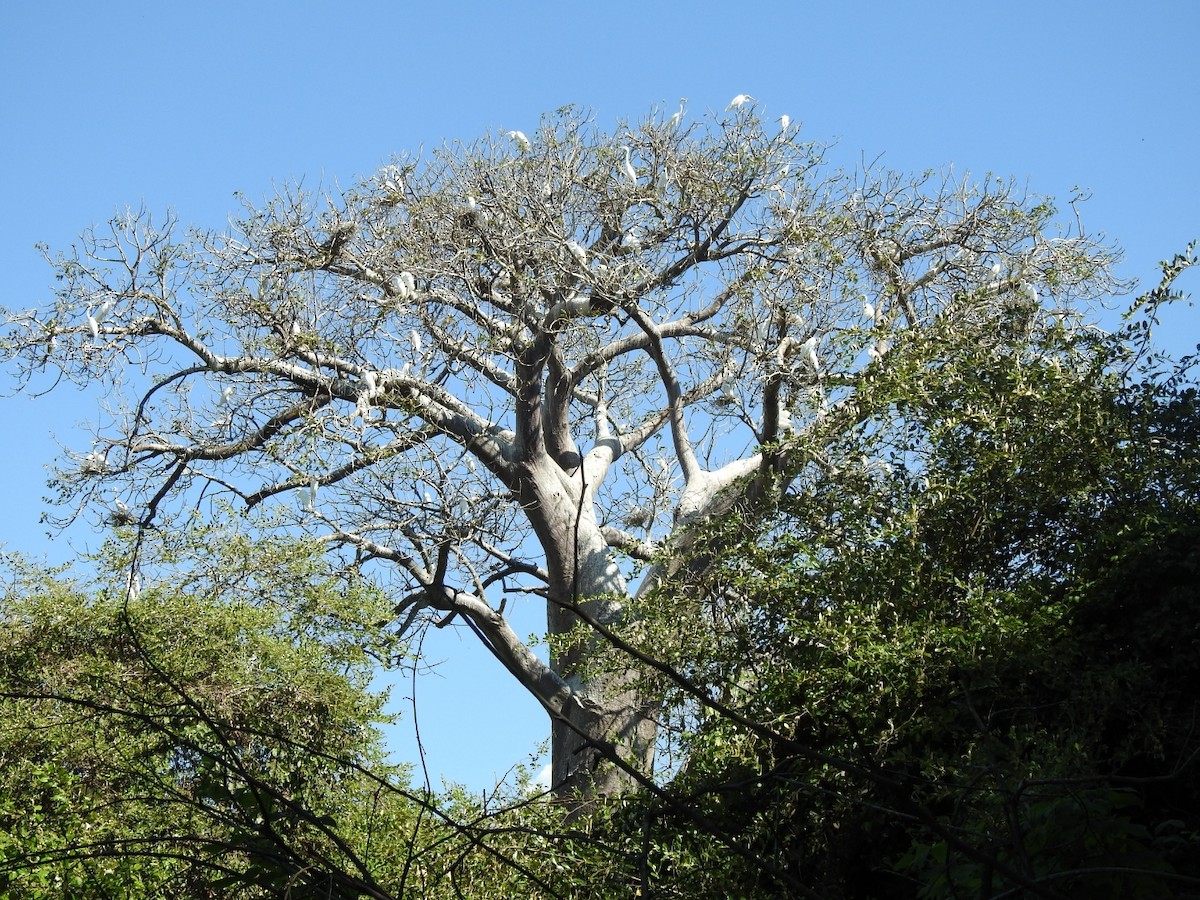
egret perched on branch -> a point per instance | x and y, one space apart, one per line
103 310
577 252
408 284
809 351
628 169
93 324
308 495
414 338
518 138
674 121
475 215
370 388
785 122
739 101
226 394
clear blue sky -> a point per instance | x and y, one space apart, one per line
177 105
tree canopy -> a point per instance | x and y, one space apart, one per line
212 735
868 558
509 368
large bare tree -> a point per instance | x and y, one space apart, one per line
525 364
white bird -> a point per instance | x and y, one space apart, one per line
123 514
475 212
628 169
135 586
415 339
226 394
370 382
1030 293
94 462
674 121
577 252
308 495
785 122
518 138
809 351
93 325
879 350
739 101
103 310
409 283
868 310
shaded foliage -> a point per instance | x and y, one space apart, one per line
961 657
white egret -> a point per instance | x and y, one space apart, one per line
93 325
809 351
739 101
518 138
674 121
868 310
226 394
94 462
880 349
628 169
475 212
122 514
308 495
103 310
785 122
1030 293
577 252
415 340
409 283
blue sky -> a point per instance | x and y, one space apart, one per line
178 106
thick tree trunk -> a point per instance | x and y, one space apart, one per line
609 716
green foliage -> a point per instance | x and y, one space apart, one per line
960 656
211 736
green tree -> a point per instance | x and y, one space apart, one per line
523 365
960 656
210 733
